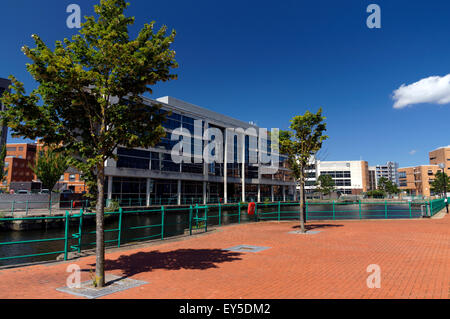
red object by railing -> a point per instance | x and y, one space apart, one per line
251 208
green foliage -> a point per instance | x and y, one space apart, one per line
300 144
91 88
3 170
325 184
441 183
376 193
94 278
387 186
302 141
49 167
199 225
113 206
89 95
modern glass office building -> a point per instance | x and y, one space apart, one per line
151 176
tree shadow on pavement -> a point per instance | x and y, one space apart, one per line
318 226
173 260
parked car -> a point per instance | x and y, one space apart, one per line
23 192
67 191
44 191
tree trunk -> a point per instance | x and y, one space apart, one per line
302 206
100 229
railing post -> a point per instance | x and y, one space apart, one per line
220 214
360 216
410 212
334 211
385 209
162 222
206 218
196 216
80 230
431 208
279 211
51 204
306 211
71 206
119 238
12 208
256 212
190 220
66 236
26 209
239 212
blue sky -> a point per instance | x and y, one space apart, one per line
267 61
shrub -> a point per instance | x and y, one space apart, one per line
113 206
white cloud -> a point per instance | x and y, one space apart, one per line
412 152
434 89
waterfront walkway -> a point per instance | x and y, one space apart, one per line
413 255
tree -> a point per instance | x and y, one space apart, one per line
91 89
377 193
392 188
3 151
387 186
300 143
3 170
49 167
325 184
382 184
440 183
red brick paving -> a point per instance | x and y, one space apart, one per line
414 256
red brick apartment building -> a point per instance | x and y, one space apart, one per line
417 180
17 163
20 176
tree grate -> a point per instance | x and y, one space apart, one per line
114 284
247 248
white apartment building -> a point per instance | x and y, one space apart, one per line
350 177
389 171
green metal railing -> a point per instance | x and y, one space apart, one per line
200 217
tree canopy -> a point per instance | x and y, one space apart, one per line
325 184
89 95
440 183
49 167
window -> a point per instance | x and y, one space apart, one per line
72 178
172 121
131 158
163 162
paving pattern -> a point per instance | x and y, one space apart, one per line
413 258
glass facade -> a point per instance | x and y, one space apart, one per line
159 159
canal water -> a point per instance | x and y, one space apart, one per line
177 223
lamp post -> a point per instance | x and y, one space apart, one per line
442 166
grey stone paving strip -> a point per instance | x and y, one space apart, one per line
116 284
247 248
